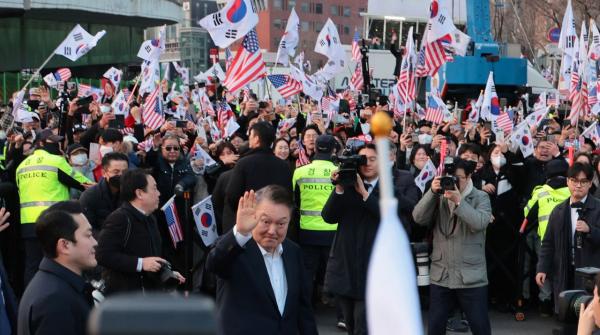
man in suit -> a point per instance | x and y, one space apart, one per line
129 247
261 287
58 300
572 238
356 211
259 167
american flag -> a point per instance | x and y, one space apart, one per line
421 67
62 74
504 122
302 156
224 114
206 105
593 95
406 81
173 221
146 145
356 55
83 90
357 79
434 112
552 99
152 111
285 85
435 56
326 102
574 87
228 58
247 66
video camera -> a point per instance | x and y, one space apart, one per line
569 302
349 162
449 180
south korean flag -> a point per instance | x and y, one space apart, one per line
232 22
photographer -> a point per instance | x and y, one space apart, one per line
589 317
572 238
460 215
356 211
130 245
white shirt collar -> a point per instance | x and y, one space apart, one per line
265 252
372 182
582 200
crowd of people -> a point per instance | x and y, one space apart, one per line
293 189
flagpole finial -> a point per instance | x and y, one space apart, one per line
381 124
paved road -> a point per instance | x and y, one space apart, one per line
502 323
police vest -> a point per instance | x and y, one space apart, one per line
39 187
315 187
547 198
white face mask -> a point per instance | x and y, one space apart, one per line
425 139
79 159
2 135
498 161
105 149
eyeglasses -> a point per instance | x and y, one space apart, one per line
171 148
580 182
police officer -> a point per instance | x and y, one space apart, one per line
543 200
312 187
43 179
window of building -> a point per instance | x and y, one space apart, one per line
318 8
346 30
304 7
304 25
291 3
277 23
347 11
334 10
318 26
278 4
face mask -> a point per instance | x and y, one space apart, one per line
80 159
498 161
2 135
115 182
425 139
52 148
105 149
104 109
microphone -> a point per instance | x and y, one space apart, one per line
580 216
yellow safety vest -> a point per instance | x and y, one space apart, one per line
547 198
315 187
39 187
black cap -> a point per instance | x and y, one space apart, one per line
48 135
325 144
556 167
74 147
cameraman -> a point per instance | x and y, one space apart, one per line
356 211
459 215
589 317
130 245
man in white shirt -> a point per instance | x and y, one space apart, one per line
261 287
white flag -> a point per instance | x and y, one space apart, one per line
310 86
289 40
199 153
440 21
490 108
329 43
522 137
17 102
24 115
584 41
114 75
150 76
426 174
568 43
594 53
151 49
231 127
460 42
50 80
215 71
232 22
78 43
204 216
183 72
591 132
120 106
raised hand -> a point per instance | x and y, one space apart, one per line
246 214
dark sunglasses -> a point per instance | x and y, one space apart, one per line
171 148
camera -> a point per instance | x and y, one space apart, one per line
349 162
420 251
167 277
569 302
449 181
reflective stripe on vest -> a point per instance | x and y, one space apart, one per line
39 168
313 182
310 213
38 204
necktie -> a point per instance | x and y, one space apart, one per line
367 186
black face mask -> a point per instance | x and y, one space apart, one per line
115 182
53 148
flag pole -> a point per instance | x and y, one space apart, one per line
137 80
37 72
